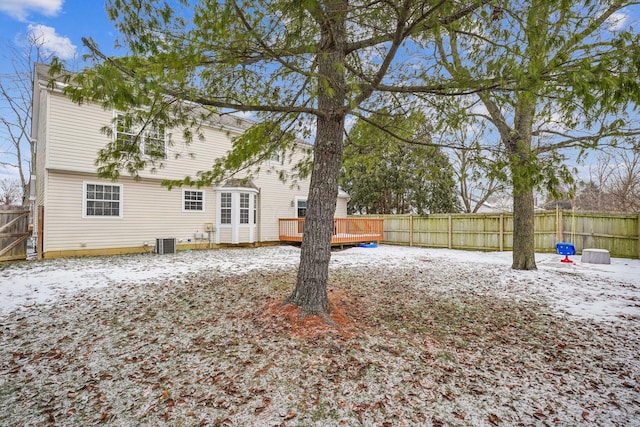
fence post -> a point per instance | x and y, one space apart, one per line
450 232
501 244
638 235
559 225
40 241
410 230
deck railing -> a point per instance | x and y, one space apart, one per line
345 230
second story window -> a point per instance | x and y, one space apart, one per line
150 138
125 133
155 141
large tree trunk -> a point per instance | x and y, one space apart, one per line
523 231
517 143
519 146
310 292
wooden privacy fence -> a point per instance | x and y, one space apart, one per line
14 232
618 233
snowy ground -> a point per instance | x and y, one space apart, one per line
442 338
596 291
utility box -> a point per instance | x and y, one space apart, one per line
166 246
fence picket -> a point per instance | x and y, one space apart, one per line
618 233
13 234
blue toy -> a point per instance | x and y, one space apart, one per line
368 245
565 249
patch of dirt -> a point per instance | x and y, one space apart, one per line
277 318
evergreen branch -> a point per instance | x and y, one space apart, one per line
571 141
272 53
372 41
177 93
404 139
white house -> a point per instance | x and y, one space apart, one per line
79 214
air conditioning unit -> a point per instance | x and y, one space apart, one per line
166 246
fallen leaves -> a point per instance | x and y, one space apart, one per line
266 402
275 317
494 419
430 349
289 416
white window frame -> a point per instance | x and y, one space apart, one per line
236 210
85 200
184 200
150 133
297 200
229 208
245 203
275 156
255 209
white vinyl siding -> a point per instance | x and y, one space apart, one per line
149 211
341 206
84 139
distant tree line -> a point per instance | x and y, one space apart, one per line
384 176
612 185
10 192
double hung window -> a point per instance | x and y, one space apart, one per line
301 208
147 138
255 208
102 200
244 208
225 208
193 200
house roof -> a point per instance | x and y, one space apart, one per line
343 194
239 183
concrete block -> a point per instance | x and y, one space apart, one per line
595 256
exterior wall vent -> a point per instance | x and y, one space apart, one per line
166 246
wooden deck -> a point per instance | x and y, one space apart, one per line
345 230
